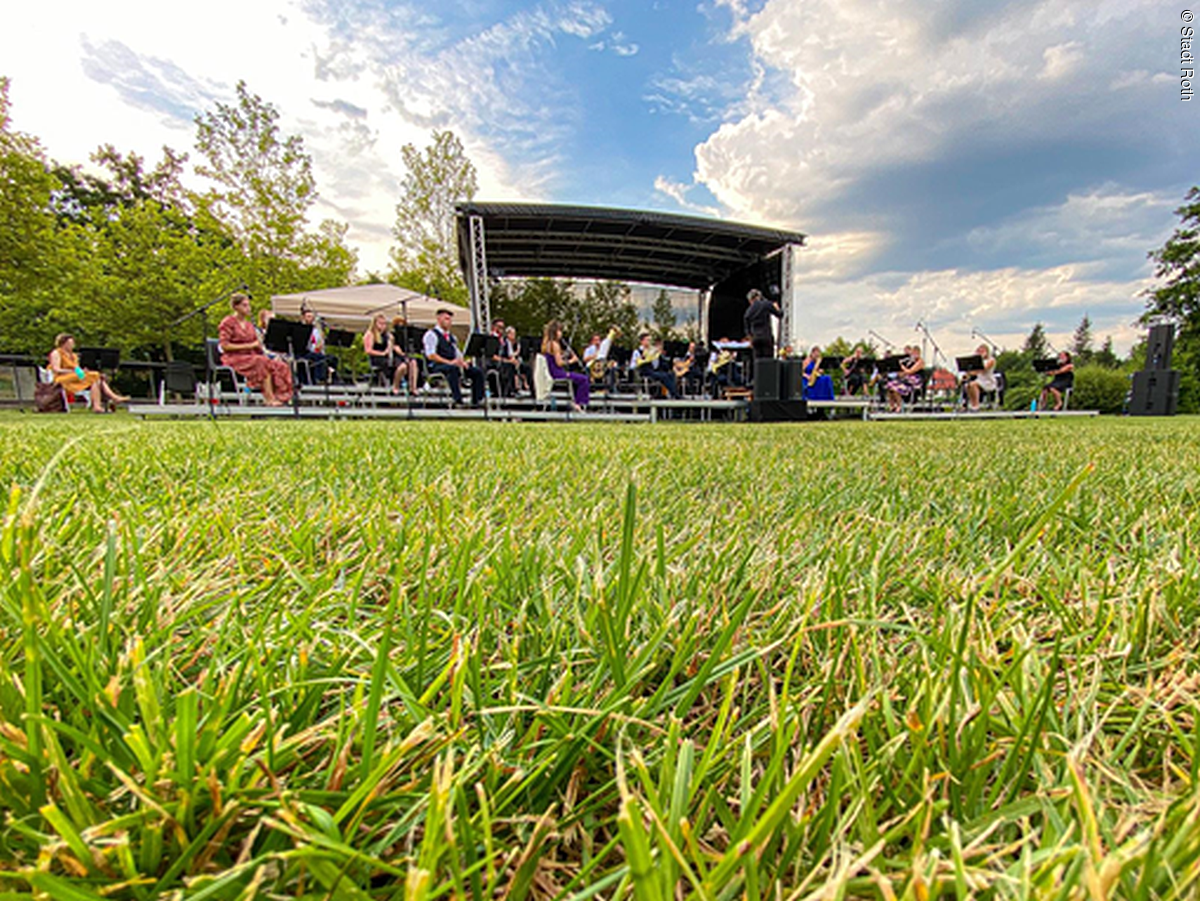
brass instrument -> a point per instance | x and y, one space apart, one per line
649 357
598 366
681 367
724 358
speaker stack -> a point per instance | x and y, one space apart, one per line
777 393
1156 388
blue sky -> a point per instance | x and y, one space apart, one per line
967 165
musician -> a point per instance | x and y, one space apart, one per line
647 361
558 359
596 361
242 351
521 374
320 364
380 348
817 385
722 371
1063 379
690 369
980 380
406 364
907 382
64 366
443 356
855 373
759 329
503 361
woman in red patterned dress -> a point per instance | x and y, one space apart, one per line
243 351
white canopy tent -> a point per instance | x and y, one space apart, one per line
352 308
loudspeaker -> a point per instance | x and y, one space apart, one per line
1155 393
793 378
1159 345
768 379
778 410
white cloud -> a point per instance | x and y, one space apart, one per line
356 81
1003 303
1061 60
678 192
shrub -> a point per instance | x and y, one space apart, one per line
1097 388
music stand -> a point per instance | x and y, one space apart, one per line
972 363
339 337
830 362
482 345
99 358
284 336
530 346
1048 365
889 364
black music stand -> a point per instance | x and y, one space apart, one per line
830 362
972 363
481 345
339 337
283 337
1044 366
99 358
889 365
529 346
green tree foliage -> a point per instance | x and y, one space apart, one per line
1036 346
425 257
1177 298
1106 356
1081 341
31 257
1097 388
663 316
528 304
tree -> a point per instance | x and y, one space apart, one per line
1177 264
263 186
426 256
663 316
34 263
1081 342
1106 356
1036 345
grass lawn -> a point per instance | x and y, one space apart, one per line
362 660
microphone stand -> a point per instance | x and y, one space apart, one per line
202 312
887 345
978 333
937 351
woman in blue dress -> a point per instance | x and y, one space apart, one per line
817 385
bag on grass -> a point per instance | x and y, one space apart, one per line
48 398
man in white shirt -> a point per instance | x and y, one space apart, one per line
443 356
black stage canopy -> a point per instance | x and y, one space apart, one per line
524 239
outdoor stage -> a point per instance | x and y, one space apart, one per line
362 402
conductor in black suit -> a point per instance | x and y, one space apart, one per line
759 328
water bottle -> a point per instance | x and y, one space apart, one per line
1033 405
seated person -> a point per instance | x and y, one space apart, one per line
406 364
73 378
980 380
817 385
521 374
647 361
444 357
908 381
320 364
856 376
243 352
1062 379
557 362
380 348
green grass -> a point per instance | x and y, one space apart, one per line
368 660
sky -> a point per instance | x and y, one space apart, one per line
964 166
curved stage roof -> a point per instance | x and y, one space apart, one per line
525 239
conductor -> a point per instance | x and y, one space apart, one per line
759 328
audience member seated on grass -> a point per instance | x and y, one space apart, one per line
558 363
817 385
444 357
982 380
907 382
1062 381
243 352
73 378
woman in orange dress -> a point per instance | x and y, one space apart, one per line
64 366
242 350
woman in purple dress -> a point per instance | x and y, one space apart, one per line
907 381
552 349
